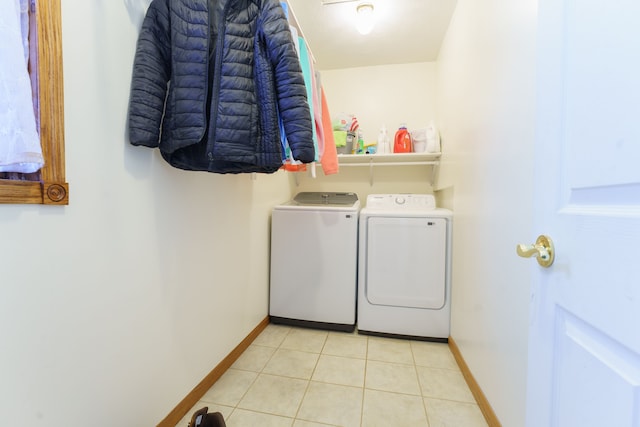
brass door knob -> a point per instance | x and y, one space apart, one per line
542 250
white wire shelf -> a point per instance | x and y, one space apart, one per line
392 159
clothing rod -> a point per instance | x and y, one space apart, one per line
389 164
294 21
328 2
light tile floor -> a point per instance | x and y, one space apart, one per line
295 377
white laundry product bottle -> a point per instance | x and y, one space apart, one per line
383 141
433 139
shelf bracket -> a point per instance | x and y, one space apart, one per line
370 172
434 173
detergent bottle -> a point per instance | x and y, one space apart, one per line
383 141
402 141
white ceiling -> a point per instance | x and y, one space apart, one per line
406 31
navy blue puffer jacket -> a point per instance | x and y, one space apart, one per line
211 79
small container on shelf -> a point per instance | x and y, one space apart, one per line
383 141
402 141
419 138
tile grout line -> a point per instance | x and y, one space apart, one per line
235 407
422 398
364 382
306 390
256 379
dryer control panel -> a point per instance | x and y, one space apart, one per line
401 201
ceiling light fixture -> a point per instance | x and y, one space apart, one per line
365 19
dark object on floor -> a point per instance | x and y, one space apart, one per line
201 418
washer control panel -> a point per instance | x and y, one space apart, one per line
401 201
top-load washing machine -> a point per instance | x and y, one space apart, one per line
404 268
314 256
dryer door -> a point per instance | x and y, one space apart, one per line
406 262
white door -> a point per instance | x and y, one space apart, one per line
584 357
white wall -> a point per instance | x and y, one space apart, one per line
486 73
382 95
113 308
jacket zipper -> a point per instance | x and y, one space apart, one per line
222 28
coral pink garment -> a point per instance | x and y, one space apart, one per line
317 114
294 168
329 159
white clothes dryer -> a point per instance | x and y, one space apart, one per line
404 267
314 256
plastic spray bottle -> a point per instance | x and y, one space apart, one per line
383 141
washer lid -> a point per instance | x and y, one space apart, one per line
314 198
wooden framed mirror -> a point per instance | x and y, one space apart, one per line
48 186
